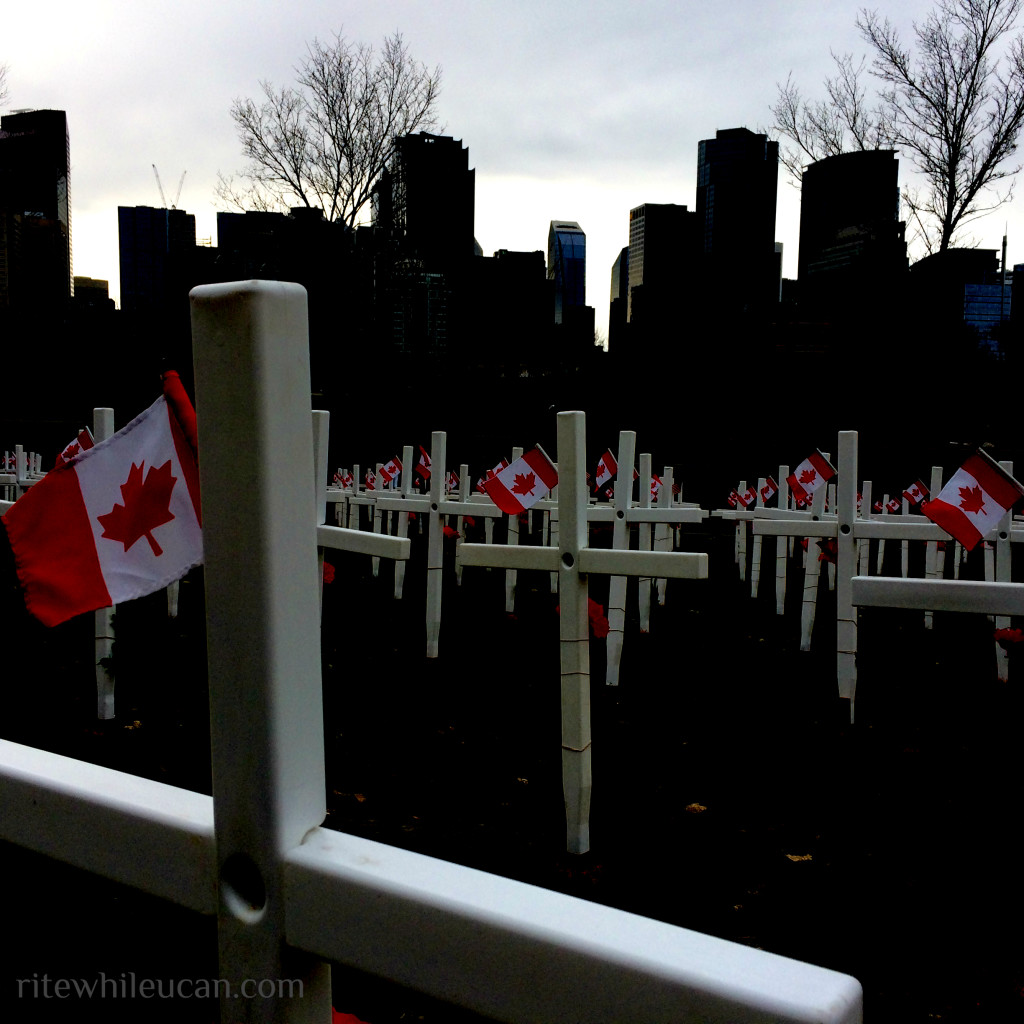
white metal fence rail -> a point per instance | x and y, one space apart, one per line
291 896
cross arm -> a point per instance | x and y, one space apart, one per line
666 564
469 508
795 528
381 545
509 556
939 595
898 528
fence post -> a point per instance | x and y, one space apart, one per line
266 711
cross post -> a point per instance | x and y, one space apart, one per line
574 561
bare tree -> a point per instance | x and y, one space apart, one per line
326 142
952 107
840 124
3 84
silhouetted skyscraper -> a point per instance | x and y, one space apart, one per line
427 197
737 184
852 242
662 250
567 267
35 210
154 246
423 210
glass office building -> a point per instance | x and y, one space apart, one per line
567 266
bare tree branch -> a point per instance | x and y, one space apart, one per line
954 104
325 143
952 108
3 84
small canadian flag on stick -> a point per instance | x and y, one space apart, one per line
118 521
423 466
81 443
390 470
606 470
809 476
916 492
976 497
521 485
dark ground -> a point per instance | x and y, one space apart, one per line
731 794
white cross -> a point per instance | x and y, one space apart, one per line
621 513
434 506
574 561
848 529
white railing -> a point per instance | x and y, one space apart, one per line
290 896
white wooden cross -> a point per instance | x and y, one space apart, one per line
434 507
621 513
574 561
848 529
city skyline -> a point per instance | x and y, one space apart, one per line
576 112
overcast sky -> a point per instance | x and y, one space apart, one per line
570 110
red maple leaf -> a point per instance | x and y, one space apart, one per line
971 499
524 483
808 476
146 506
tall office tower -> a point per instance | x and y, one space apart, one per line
852 242
155 247
618 299
662 251
423 248
567 267
737 184
35 210
427 197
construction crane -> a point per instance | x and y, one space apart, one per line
177 195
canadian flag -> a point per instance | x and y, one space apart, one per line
520 486
893 505
810 475
371 480
656 486
916 493
81 443
606 470
734 498
390 470
117 522
747 498
480 484
976 497
451 481
423 466
770 489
